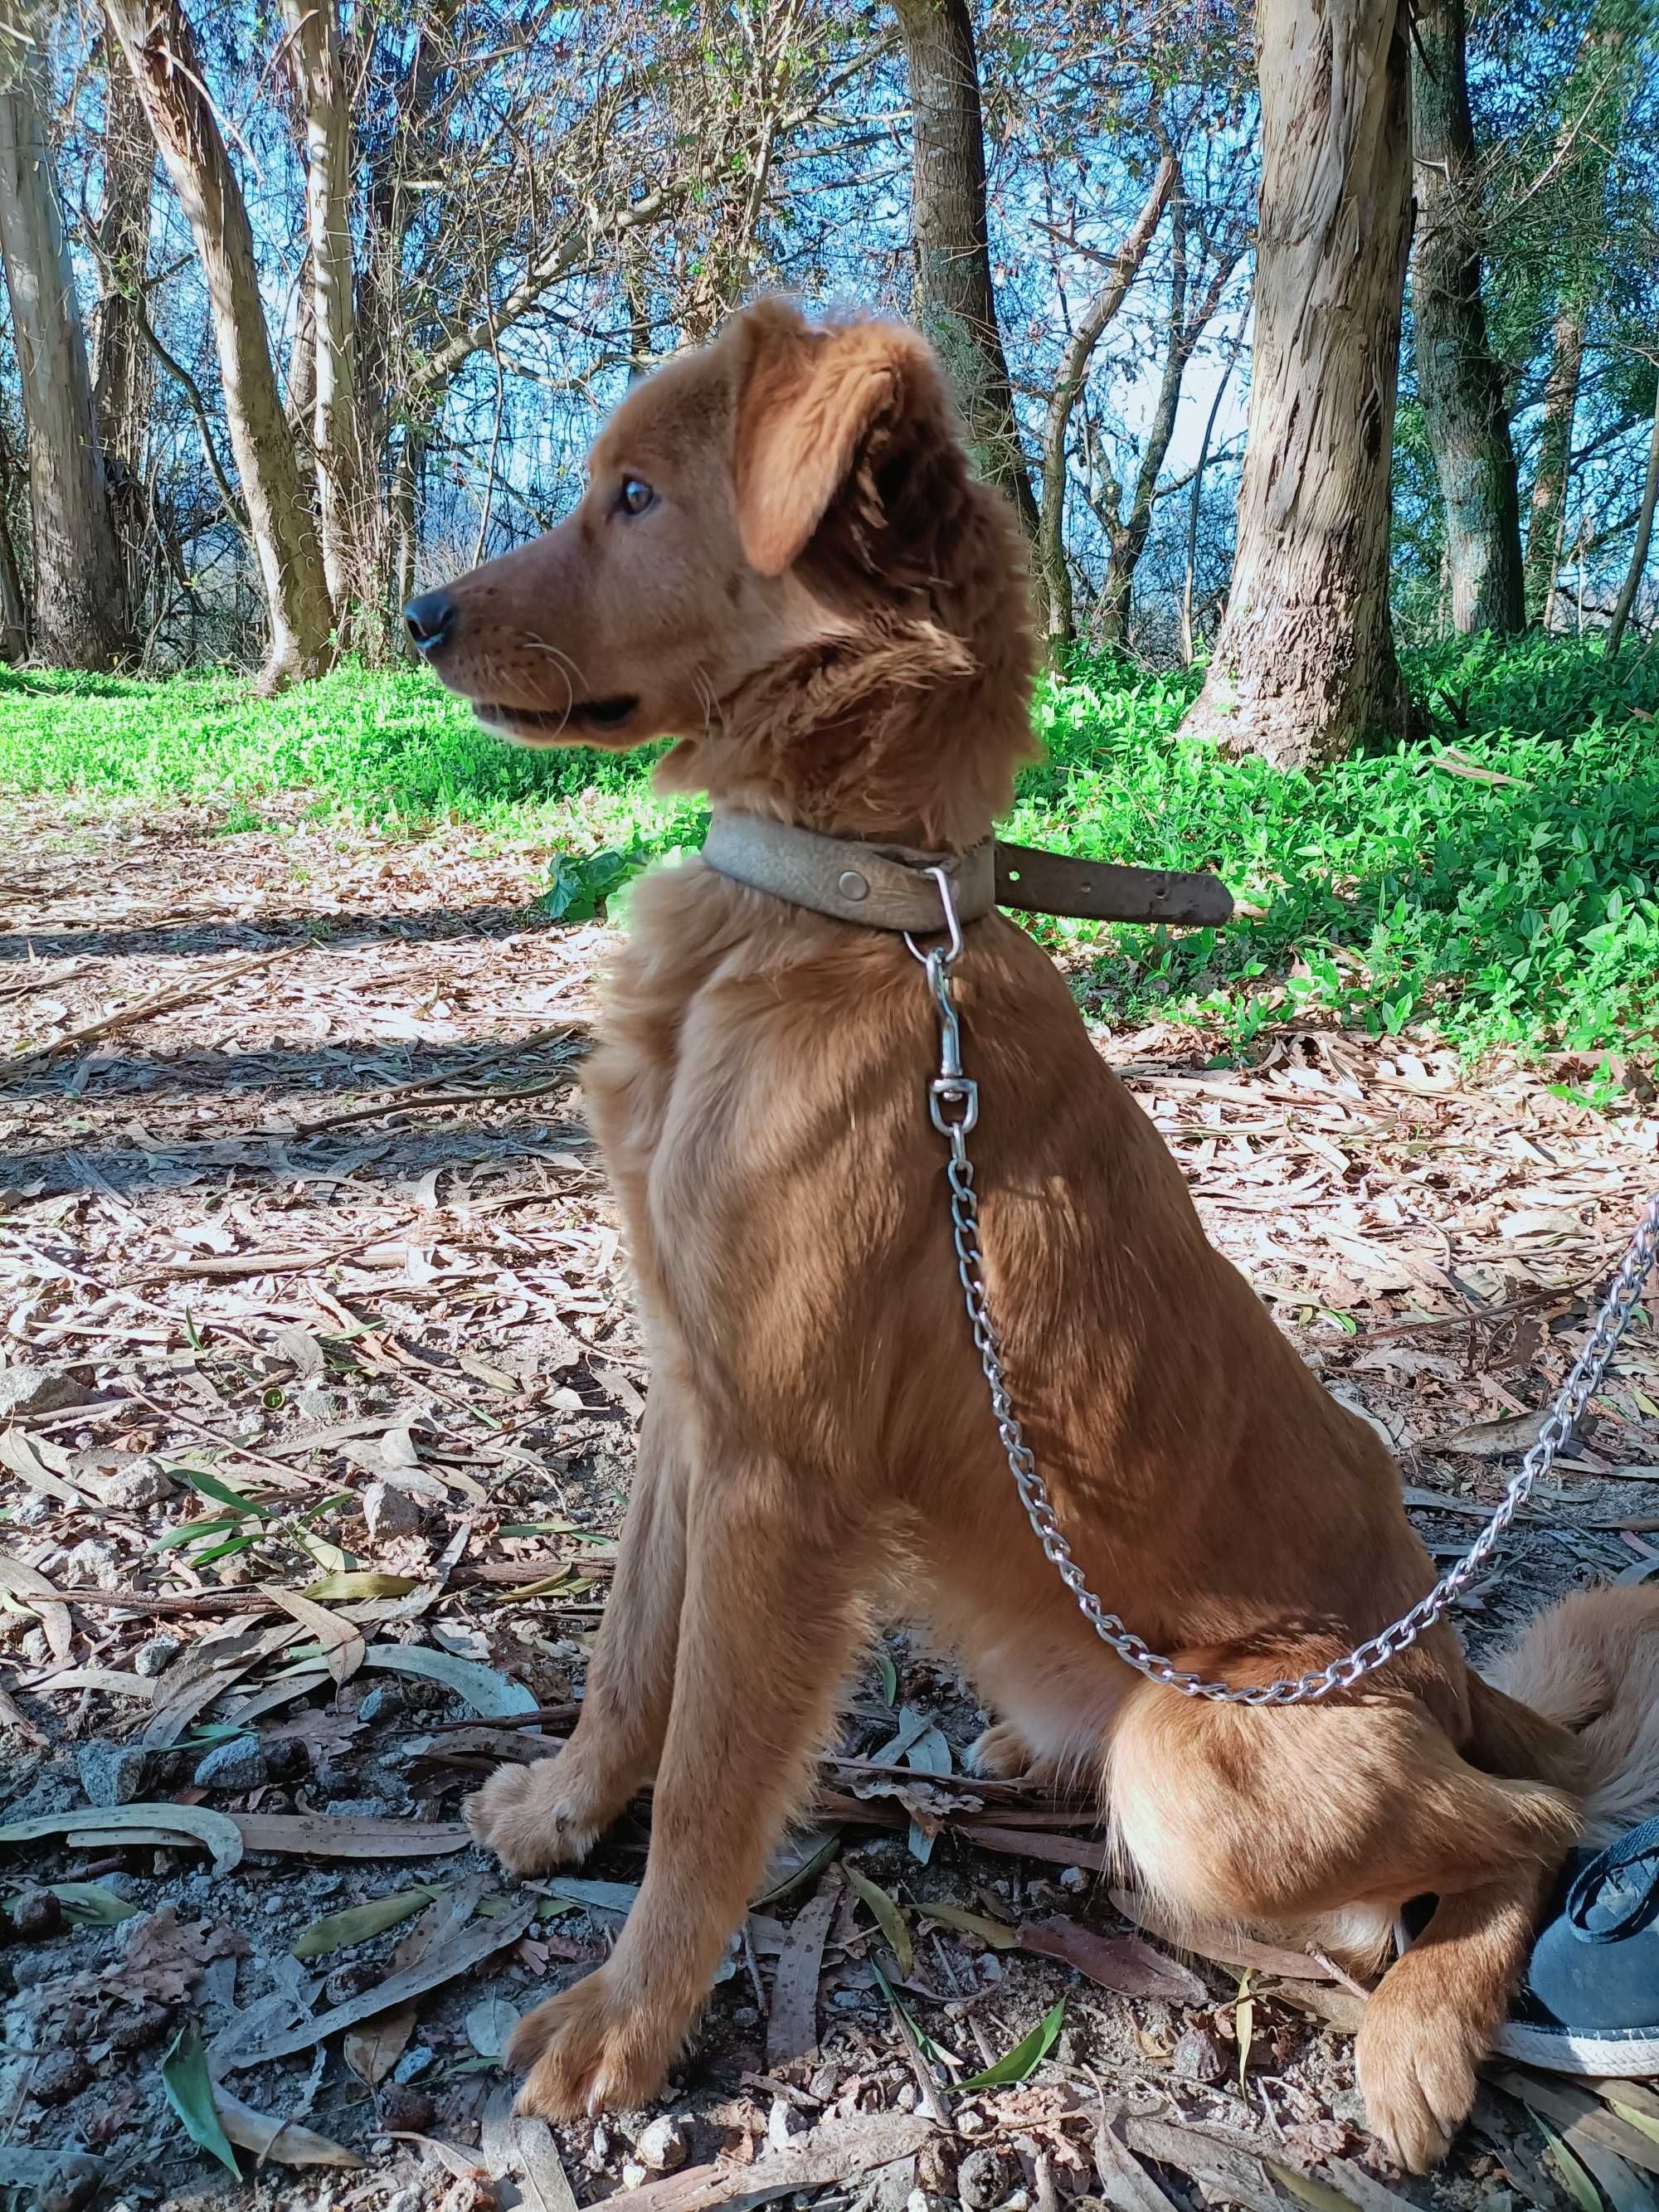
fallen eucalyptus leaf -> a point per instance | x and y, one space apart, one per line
189 2092
489 2025
444 1962
285 2141
364 1582
1026 2056
340 1930
997 1933
887 1917
89 1904
137 1824
1122 1963
495 1695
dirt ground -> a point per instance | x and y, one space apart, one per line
310 1283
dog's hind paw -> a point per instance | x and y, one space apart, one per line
531 1818
1002 1755
1418 2077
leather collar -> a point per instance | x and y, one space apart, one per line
887 886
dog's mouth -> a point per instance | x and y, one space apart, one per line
598 717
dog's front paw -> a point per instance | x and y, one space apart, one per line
1001 1754
1417 2073
532 1818
595 2048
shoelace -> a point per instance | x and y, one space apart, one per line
1615 1895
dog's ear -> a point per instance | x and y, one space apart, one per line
808 403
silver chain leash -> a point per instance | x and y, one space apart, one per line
953 1108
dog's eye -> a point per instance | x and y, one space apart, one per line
635 495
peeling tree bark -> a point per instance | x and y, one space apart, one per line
162 54
81 615
1459 382
955 304
344 490
1304 662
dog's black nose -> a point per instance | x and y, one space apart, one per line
431 621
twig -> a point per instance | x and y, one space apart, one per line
458 1073
484 1097
161 1002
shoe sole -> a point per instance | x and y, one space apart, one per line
1621 2055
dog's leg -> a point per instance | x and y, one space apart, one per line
1431 2023
538 1817
1265 1816
772 1617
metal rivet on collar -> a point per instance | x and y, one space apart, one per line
851 885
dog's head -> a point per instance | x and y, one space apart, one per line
780 558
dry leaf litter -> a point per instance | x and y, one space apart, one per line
320 1392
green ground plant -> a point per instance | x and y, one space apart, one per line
1496 884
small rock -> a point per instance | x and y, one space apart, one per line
970 2121
1075 1879
905 2100
415 2061
990 1967
59 2076
134 1488
35 1915
288 1758
32 1509
38 1390
848 1999
599 2149
633 2173
783 2124
404 2200
235 1766
661 2147
90 1562
71 2186
155 1656
389 1511
983 2176
384 1702
357 1808
826 2079
112 1773
746 2016
350 1980
1199 2057
406 2109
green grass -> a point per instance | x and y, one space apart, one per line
1390 893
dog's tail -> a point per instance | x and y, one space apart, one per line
1589 1666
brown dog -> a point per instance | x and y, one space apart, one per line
783 561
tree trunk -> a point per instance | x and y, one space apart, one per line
1128 538
14 607
954 303
1548 506
81 618
342 493
1459 382
1124 267
161 54
1304 664
1638 557
122 378
123 372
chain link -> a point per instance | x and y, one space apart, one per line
953 1108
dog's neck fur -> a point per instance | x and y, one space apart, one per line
906 724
